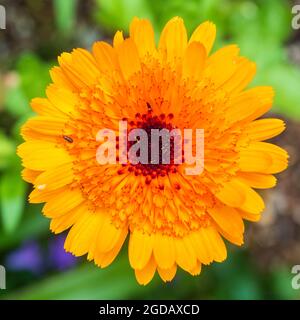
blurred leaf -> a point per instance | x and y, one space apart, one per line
12 196
34 74
34 225
87 282
117 14
65 15
16 102
281 284
7 149
285 79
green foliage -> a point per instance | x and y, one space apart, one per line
12 196
65 15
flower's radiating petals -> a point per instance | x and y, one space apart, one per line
230 223
141 31
205 33
128 58
237 194
55 178
38 155
145 275
257 180
164 251
263 157
63 99
80 68
60 79
173 41
185 254
83 231
173 219
106 57
44 107
250 216
66 221
167 274
44 126
196 270
264 129
221 65
244 73
255 102
104 259
139 249
108 235
118 39
63 202
30 175
194 61
214 243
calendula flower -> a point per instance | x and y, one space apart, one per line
172 219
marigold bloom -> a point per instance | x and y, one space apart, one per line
172 219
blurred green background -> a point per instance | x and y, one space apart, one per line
38 31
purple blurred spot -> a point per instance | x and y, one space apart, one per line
27 258
59 258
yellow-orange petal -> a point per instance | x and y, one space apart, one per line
205 33
140 249
104 259
44 107
257 180
66 221
63 202
55 178
118 39
237 194
173 40
42 155
82 233
128 58
167 274
30 175
145 275
194 61
185 254
164 251
229 221
105 56
141 31
255 102
264 129
263 157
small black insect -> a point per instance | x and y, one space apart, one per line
149 106
68 139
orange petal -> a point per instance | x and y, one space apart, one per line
142 33
145 275
164 251
263 157
193 61
167 274
173 40
264 129
128 58
205 34
139 249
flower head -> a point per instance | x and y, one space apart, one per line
172 219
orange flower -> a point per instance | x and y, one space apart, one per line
173 219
